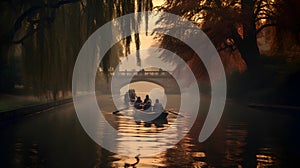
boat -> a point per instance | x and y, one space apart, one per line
149 116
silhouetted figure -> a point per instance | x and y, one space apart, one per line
147 99
158 107
160 70
147 106
126 99
132 95
138 103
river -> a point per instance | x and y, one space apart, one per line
245 137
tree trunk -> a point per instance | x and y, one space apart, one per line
248 46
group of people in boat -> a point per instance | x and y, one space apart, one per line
145 105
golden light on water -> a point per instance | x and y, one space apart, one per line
265 158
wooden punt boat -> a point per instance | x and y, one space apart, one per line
148 116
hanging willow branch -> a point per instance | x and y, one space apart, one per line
31 12
52 33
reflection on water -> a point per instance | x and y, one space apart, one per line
265 158
235 135
244 138
143 140
27 155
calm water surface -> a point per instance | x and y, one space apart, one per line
244 138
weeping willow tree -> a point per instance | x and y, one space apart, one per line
48 34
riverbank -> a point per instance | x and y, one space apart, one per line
20 108
277 108
14 101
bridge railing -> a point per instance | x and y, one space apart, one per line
142 73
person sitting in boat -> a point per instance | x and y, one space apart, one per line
132 95
158 107
126 99
147 99
138 103
148 106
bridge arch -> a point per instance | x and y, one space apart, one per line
161 78
148 80
170 85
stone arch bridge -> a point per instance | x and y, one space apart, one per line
162 78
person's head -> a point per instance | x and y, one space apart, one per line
138 98
156 101
147 96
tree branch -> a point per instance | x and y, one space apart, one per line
34 9
63 2
23 16
24 37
